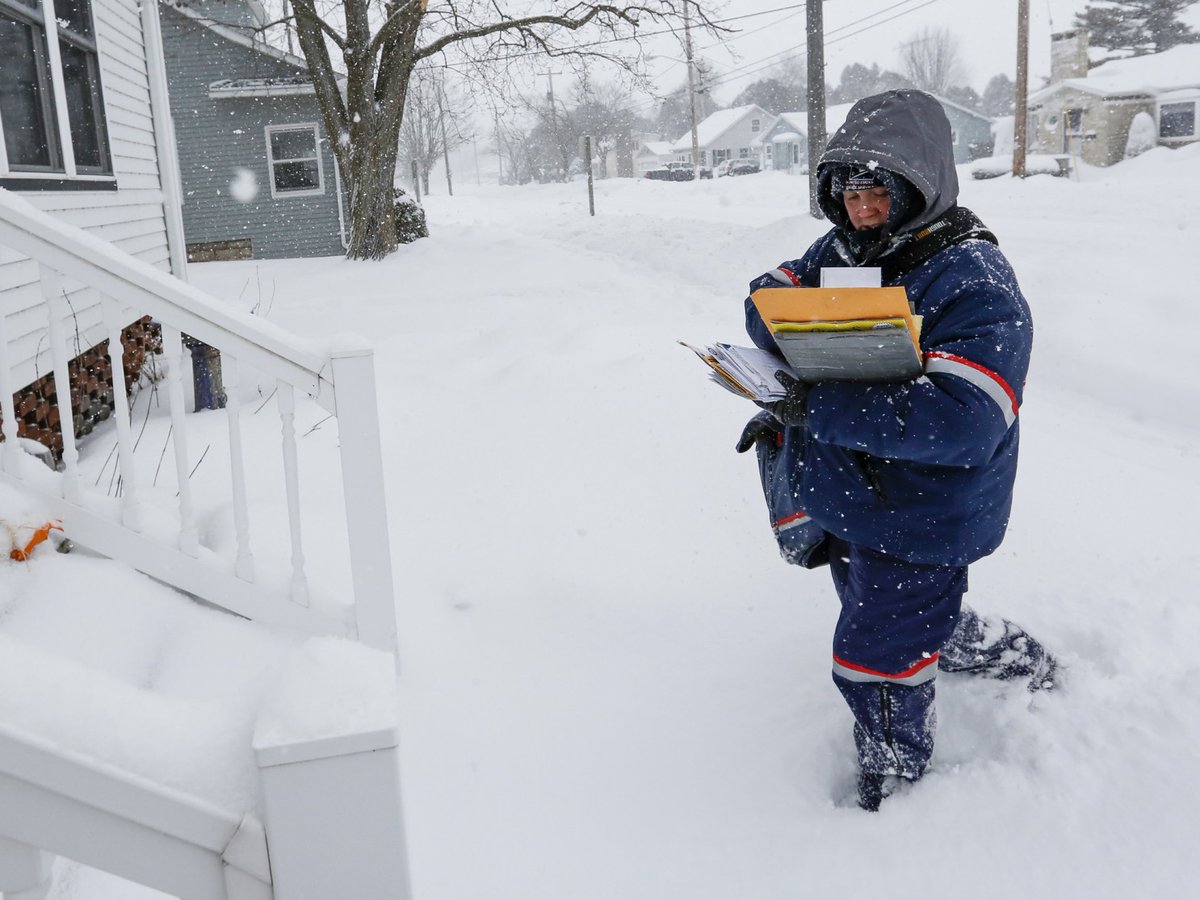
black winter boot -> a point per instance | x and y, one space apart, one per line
870 790
997 648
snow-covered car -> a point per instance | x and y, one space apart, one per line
677 171
737 167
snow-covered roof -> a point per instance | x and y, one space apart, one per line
261 87
1182 94
785 136
966 109
658 148
796 123
238 34
717 124
1149 75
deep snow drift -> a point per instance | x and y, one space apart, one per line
612 685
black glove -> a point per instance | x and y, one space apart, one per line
763 426
792 409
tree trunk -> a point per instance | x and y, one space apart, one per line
372 208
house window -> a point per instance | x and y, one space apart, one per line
294 157
1177 120
755 126
38 75
743 152
1072 131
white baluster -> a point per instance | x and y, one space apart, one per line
177 361
11 452
130 513
285 397
53 292
237 470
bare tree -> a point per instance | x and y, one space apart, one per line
435 122
604 111
378 44
931 60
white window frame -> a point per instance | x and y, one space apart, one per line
755 126
66 169
271 160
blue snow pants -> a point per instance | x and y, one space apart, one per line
895 618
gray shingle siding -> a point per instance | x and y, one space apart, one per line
217 137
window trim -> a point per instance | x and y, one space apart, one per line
63 170
271 161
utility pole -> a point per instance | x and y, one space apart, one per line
1021 114
558 144
445 145
816 98
587 161
499 150
691 70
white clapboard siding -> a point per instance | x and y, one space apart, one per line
131 217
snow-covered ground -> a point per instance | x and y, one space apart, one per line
612 686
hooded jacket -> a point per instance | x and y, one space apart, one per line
922 470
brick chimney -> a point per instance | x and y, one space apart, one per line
1068 55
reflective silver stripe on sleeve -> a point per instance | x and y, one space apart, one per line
783 276
924 670
984 379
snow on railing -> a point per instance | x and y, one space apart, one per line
166 526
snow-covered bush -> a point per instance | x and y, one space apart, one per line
410 218
1143 135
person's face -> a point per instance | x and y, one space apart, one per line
867 209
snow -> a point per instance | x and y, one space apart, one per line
1156 72
610 684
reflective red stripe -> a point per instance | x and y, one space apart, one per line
792 518
907 673
790 274
978 368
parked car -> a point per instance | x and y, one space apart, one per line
677 171
738 167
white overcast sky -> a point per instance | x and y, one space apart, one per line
871 31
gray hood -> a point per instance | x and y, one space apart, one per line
905 132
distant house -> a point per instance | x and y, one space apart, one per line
651 155
726 134
784 144
1088 114
259 179
971 131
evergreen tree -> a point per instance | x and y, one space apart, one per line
999 96
1136 27
772 95
964 96
860 81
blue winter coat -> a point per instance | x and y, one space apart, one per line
922 470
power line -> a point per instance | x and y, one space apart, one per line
767 62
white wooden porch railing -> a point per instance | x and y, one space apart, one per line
71 262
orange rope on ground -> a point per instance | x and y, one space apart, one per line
39 535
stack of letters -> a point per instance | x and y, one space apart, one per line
849 329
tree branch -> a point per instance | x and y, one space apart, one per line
627 14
